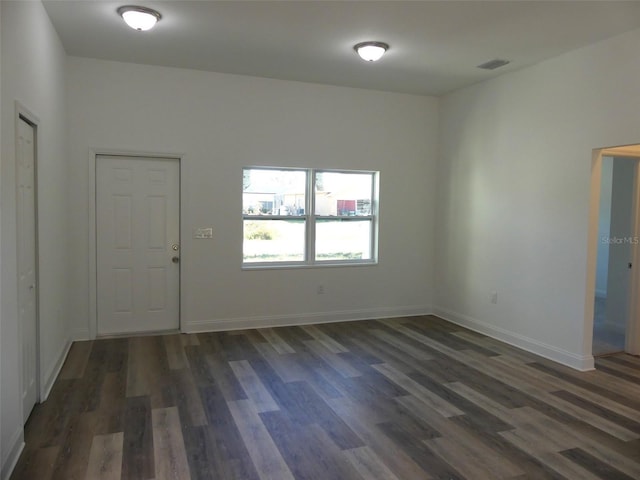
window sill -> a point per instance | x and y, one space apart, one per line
294 266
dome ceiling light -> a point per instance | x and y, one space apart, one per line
371 51
139 18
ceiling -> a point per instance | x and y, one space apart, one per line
435 45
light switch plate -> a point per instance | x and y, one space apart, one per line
203 232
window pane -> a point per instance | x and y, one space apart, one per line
343 240
273 192
343 194
273 240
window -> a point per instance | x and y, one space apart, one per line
308 217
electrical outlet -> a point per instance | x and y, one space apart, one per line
320 290
494 297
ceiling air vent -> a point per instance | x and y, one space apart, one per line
493 64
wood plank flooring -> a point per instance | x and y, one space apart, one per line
402 399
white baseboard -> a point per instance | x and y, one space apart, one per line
17 445
288 320
51 375
80 335
570 359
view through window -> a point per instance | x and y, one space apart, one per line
279 228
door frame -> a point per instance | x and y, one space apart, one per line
94 153
22 113
632 331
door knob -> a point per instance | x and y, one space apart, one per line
175 259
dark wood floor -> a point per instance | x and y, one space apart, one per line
404 399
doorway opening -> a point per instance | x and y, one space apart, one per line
615 243
614 254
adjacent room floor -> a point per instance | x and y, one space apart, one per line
411 398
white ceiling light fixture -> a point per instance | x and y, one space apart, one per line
139 18
371 51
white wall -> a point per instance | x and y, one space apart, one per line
33 73
604 226
224 122
513 198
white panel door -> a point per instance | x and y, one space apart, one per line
138 244
26 237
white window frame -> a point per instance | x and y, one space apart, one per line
310 219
